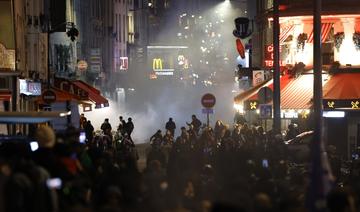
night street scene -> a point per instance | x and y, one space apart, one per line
179 105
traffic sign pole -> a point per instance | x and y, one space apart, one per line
208 121
208 101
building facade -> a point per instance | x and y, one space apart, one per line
339 23
340 52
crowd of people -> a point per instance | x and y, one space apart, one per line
220 168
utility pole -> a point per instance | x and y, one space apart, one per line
276 73
321 179
317 72
15 77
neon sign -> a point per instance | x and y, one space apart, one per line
269 56
157 64
182 61
159 70
124 63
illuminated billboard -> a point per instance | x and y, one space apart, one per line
167 61
29 88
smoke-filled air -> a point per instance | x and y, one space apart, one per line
202 61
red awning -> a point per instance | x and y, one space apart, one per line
61 96
5 95
298 93
284 80
285 32
94 94
342 87
325 29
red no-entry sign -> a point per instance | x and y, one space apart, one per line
49 96
208 100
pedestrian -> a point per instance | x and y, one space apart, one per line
157 138
106 127
219 127
196 123
82 121
89 131
171 126
129 127
121 126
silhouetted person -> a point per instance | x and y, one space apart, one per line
89 131
106 127
156 138
82 121
121 126
292 131
171 126
196 123
129 127
340 200
239 118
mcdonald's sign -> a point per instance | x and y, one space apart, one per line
157 64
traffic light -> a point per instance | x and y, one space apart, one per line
72 33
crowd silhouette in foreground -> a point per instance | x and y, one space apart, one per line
237 168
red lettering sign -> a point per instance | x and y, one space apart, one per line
70 87
269 56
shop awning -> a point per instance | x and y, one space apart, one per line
342 86
284 80
5 95
298 93
94 94
285 32
325 29
342 92
61 96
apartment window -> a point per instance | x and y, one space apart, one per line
4 83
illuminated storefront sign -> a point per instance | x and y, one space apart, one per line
70 87
290 114
159 70
341 104
269 56
252 105
157 64
29 88
124 63
182 61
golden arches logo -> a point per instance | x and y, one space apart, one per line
157 64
